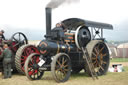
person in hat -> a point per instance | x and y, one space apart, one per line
62 25
2 35
7 59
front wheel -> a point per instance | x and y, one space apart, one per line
31 67
61 67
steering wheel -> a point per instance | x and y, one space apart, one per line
17 40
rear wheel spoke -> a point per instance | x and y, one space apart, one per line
94 54
93 58
96 50
104 54
101 67
104 62
101 49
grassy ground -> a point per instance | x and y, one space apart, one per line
77 79
119 60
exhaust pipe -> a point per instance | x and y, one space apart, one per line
48 22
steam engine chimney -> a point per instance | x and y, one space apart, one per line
48 22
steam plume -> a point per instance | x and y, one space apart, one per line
56 3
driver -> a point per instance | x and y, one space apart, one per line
62 26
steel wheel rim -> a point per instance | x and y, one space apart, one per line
61 67
100 58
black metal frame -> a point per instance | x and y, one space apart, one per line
96 32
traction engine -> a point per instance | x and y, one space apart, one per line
61 51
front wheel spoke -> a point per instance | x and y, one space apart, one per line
32 72
29 69
30 64
34 58
34 61
37 72
56 72
34 75
66 69
59 75
65 66
59 63
63 61
58 69
64 72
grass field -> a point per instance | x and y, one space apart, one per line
77 79
119 60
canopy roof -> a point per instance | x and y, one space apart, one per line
73 23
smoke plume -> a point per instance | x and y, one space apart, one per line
56 3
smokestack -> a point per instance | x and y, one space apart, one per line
48 21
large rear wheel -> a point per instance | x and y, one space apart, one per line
99 54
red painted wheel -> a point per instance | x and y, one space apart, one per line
22 54
14 48
31 67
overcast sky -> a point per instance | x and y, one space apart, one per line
28 16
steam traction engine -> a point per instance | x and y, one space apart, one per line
61 51
16 41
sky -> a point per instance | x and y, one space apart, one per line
28 16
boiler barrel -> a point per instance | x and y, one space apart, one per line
52 48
